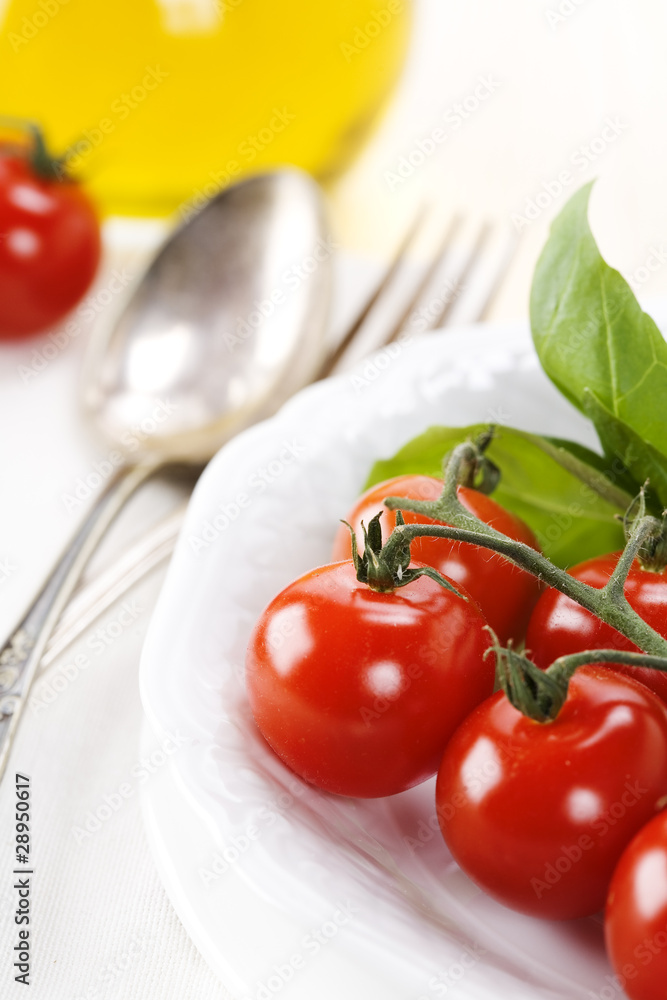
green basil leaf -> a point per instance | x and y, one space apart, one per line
607 478
639 457
570 518
612 468
590 332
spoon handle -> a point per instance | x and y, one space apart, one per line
21 653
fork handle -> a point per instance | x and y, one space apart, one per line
21 653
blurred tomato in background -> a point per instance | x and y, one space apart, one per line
161 102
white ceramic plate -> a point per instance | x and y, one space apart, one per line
285 890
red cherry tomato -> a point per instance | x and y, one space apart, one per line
359 691
636 915
538 814
559 626
49 247
505 593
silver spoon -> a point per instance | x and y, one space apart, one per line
226 324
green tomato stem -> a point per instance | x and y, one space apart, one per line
644 528
565 666
609 604
45 166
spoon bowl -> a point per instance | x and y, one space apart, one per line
226 324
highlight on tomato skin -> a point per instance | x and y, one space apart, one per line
358 691
50 247
538 814
505 593
558 626
636 914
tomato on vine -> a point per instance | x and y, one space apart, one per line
636 914
358 688
559 626
49 240
538 813
505 593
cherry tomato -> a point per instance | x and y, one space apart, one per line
359 691
636 915
505 593
538 814
49 247
559 626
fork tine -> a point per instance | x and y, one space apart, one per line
431 271
332 359
471 260
499 277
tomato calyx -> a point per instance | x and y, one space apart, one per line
385 573
33 147
540 694
535 693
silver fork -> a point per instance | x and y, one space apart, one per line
478 262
